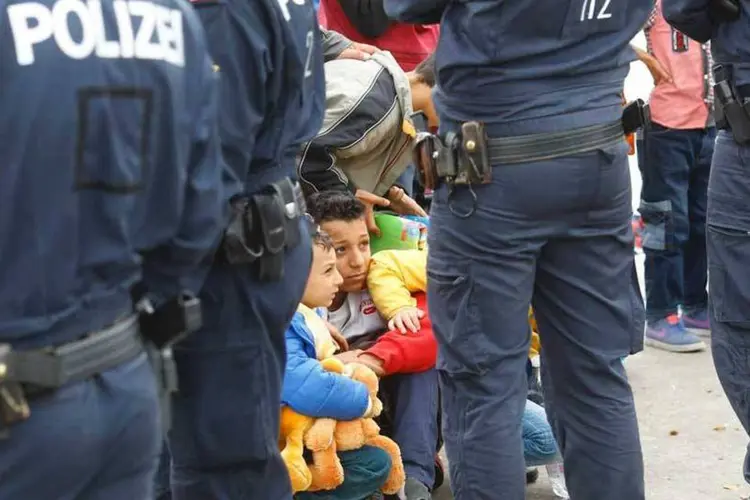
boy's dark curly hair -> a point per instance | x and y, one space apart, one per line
426 70
328 206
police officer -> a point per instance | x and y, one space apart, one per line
226 415
727 25
111 176
534 205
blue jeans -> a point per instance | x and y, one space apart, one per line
365 471
675 166
539 445
567 241
94 440
411 420
729 273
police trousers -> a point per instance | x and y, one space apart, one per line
729 273
225 426
556 234
93 440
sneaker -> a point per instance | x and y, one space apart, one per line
697 322
415 490
670 334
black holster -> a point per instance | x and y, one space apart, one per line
731 108
456 159
262 226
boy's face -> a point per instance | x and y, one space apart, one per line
352 244
324 279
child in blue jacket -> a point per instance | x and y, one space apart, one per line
311 391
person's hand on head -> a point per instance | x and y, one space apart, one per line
403 204
406 320
370 201
361 51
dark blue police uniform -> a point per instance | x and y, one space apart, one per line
728 233
111 176
226 414
552 229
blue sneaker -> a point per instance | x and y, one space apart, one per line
697 322
670 334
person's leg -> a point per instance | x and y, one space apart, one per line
539 445
589 318
667 157
414 411
729 274
131 455
226 414
91 440
695 305
480 277
365 471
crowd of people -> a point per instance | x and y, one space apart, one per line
221 281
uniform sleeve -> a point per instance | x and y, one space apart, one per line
416 11
367 16
310 390
182 264
691 17
334 44
393 276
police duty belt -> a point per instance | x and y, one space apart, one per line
31 373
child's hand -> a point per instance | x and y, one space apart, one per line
338 337
406 319
348 356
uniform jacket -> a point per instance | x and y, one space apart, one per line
111 175
365 21
310 390
362 143
529 66
730 42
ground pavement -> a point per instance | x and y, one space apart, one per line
693 444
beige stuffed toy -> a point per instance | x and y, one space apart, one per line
325 437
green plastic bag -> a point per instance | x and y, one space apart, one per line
397 233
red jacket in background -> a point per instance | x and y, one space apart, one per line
410 352
410 44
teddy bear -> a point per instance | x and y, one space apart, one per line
325 437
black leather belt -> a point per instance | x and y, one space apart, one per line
51 368
28 374
540 147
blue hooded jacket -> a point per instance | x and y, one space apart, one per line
309 389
